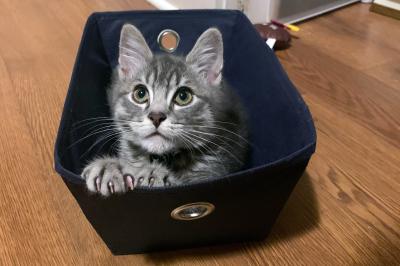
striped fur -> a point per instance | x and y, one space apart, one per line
205 139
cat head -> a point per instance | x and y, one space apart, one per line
163 103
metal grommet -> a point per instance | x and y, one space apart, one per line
168 40
192 211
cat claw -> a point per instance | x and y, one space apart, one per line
98 184
111 187
109 177
129 180
151 181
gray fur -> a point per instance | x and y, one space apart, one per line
205 139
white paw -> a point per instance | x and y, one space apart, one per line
111 175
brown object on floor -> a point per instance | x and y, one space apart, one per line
345 210
281 35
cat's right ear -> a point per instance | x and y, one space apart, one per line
134 53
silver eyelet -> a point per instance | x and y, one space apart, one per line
168 40
192 211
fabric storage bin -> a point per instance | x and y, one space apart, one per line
246 203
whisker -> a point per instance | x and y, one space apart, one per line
108 136
115 136
218 136
219 146
114 146
91 118
87 136
223 129
208 149
99 118
223 122
99 127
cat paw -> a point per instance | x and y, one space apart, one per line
108 176
104 176
152 176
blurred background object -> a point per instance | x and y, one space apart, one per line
280 36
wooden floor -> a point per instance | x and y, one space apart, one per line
345 210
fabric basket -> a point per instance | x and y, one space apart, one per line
245 204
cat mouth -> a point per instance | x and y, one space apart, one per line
156 134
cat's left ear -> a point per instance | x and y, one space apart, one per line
207 56
134 53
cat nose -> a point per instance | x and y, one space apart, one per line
157 118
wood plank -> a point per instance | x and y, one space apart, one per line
345 209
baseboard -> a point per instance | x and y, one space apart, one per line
385 11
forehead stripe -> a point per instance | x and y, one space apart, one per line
171 75
147 77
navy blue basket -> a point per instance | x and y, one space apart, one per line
247 202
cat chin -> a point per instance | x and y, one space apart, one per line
157 145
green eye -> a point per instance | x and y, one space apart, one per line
183 96
140 94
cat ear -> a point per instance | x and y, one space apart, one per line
207 57
133 52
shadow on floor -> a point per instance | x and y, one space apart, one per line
299 216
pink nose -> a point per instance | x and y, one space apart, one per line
157 118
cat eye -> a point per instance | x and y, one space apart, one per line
183 96
140 94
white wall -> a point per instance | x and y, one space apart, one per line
184 4
187 4
260 11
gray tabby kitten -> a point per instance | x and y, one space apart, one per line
178 121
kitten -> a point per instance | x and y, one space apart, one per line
178 121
